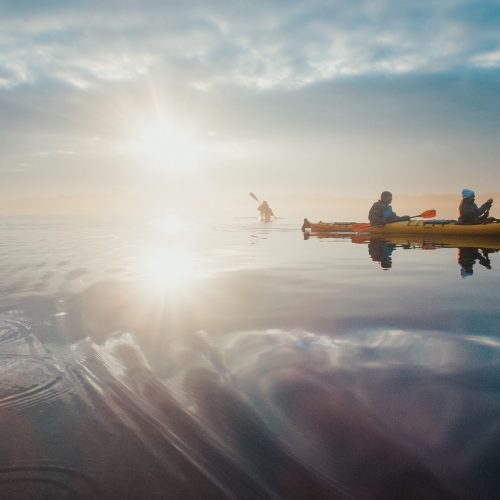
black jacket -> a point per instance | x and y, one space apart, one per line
381 213
471 214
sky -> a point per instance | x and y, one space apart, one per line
196 103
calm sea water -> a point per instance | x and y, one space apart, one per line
178 360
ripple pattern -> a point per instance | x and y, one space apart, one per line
44 481
27 381
13 328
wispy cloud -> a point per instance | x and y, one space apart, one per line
489 59
255 44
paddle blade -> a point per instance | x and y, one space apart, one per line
428 214
254 197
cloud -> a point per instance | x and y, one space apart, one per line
257 44
487 59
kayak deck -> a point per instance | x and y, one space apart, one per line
441 227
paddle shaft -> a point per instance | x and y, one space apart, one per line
363 225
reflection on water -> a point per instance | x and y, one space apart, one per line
467 257
469 250
170 270
381 251
240 361
168 222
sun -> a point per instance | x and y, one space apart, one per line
168 144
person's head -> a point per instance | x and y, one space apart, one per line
386 263
386 197
466 271
468 194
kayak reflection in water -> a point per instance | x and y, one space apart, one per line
266 212
467 257
381 251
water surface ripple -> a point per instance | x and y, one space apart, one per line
239 360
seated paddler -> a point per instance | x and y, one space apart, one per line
470 213
266 212
381 212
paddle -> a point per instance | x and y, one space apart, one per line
362 226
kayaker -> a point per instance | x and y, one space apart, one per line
266 212
381 212
469 212
468 256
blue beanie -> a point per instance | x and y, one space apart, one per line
467 193
464 273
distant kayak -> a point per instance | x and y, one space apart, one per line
435 227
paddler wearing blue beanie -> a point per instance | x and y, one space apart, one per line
469 212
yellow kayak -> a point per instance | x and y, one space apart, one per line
420 227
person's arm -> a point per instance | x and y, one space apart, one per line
389 215
484 207
484 260
400 218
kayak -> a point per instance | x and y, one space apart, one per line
421 227
327 227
